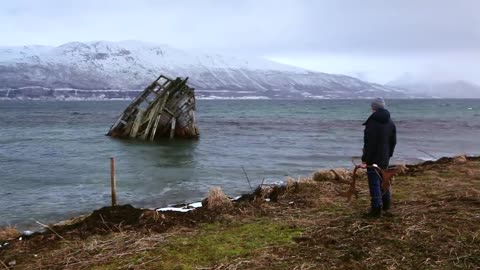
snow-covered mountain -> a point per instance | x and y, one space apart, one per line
122 69
437 87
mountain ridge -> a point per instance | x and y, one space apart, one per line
121 69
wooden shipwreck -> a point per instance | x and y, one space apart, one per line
166 108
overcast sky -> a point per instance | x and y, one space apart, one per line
373 40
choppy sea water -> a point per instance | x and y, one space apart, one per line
54 157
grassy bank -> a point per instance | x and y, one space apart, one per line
303 225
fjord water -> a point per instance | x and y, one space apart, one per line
54 157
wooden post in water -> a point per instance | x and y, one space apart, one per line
113 181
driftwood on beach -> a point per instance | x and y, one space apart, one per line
166 108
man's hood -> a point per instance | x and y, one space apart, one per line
381 116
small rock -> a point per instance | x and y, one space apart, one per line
12 263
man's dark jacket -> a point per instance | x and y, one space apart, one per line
379 139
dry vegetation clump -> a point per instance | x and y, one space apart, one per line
304 192
339 174
323 175
264 191
261 194
9 232
300 183
401 169
460 159
217 200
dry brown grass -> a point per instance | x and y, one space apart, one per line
460 159
217 200
293 184
9 232
265 191
434 225
85 254
323 175
302 192
401 169
338 174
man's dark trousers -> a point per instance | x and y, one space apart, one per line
375 186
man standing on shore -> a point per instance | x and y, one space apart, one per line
380 138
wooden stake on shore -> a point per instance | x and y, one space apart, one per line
113 181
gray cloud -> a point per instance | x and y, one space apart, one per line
285 29
252 25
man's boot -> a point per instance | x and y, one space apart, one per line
373 213
386 200
386 204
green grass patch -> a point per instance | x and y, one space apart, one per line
337 208
215 243
448 174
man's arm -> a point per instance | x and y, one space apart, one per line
393 140
369 143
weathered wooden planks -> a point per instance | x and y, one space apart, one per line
172 128
136 124
170 113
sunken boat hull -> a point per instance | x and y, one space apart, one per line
165 109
